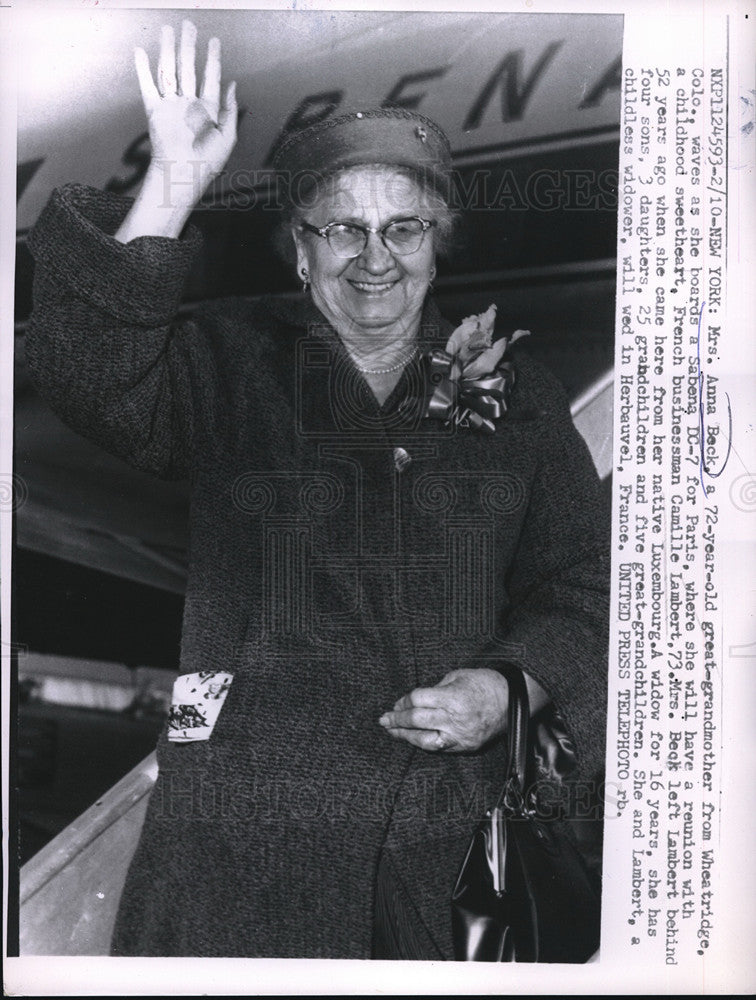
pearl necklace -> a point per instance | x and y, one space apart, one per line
387 371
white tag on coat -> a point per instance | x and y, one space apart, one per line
196 703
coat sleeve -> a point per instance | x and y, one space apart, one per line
103 346
557 618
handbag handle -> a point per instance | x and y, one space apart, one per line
518 717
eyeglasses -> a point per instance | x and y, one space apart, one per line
348 239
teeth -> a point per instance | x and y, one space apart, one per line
371 286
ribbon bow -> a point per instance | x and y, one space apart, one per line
471 379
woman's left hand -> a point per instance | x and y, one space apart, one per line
461 713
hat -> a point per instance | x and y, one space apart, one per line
390 135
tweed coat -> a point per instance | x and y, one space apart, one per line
327 580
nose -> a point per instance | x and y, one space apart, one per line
375 258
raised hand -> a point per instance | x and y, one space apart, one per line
187 127
192 133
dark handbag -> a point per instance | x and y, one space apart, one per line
523 893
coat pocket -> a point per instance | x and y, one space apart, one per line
196 703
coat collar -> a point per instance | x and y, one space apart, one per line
403 408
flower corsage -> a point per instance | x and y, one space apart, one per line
472 378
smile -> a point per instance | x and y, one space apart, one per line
373 287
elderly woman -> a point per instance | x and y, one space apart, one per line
359 569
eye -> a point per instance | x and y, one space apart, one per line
404 229
345 239
343 230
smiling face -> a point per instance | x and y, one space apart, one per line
377 297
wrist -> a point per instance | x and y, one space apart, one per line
497 689
164 203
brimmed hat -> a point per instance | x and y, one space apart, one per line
392 136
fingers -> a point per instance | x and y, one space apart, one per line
166 74
186 84
425 739
150 95
422 697
212 78
229 113
462 713
415 718
187 74
426 728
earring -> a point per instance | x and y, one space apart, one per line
432 276
305 280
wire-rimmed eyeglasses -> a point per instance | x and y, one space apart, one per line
349 239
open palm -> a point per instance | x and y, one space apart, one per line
192 133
